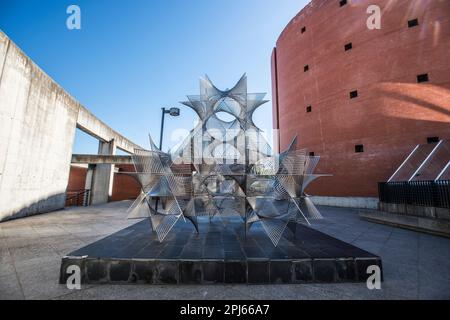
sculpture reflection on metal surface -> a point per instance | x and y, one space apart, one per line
225 168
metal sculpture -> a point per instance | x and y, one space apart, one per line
225 168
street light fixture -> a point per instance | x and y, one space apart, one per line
174 112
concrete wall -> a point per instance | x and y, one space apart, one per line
347 202
103 178
418 211
101 159
93 126
37 128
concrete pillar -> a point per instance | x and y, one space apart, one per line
88 183
103 175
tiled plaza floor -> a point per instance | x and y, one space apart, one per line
415 265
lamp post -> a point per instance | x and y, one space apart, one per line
174 112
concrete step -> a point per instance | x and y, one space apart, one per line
434 226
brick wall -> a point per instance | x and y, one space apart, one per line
392 113
124 187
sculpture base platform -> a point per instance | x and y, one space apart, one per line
218 255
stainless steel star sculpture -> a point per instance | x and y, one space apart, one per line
225 168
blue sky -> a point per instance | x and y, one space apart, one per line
133 57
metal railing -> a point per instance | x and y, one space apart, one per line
418 193
80 198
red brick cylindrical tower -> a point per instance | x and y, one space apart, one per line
362 98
